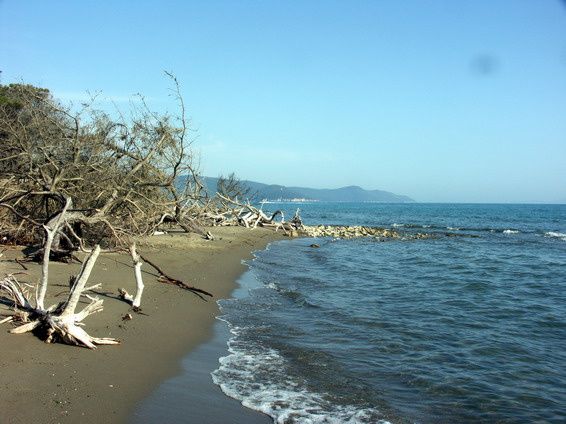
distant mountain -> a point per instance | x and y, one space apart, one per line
275 192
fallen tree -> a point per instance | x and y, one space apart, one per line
80 180
123 175
228 211
58 322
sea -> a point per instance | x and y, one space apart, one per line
465 326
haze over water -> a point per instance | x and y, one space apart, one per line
445 329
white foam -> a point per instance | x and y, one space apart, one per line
272 285
256 377
453 228
510 232
561 236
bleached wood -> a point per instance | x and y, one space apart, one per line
124 295
136 301
51 229
80 283
25 328
94 307
13 287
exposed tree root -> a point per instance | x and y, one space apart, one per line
60 322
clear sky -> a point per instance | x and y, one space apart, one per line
451 100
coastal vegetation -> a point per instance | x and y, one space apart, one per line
78 179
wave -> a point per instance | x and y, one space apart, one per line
555 234
487 230
256 377
293 295
397 225
458 228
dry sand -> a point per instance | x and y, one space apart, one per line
42 383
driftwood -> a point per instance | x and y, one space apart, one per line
233 212
135 301
19 262
59 322
187 224
164 278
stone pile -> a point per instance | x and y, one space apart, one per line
347 232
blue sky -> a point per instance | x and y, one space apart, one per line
449 101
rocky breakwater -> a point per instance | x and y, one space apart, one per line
347 232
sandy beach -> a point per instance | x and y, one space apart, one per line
59 383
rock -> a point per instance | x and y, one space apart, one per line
345 232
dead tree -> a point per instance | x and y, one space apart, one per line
75 180
126 172
58 322
233 212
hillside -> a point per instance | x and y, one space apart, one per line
276 192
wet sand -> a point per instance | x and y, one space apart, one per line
58 383
192 397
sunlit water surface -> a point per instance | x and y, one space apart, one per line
445 329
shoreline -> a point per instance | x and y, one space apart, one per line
60 383
191 396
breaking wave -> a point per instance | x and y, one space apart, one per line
555 234
257 377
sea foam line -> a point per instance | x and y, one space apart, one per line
255 376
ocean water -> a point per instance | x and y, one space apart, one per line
448 329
